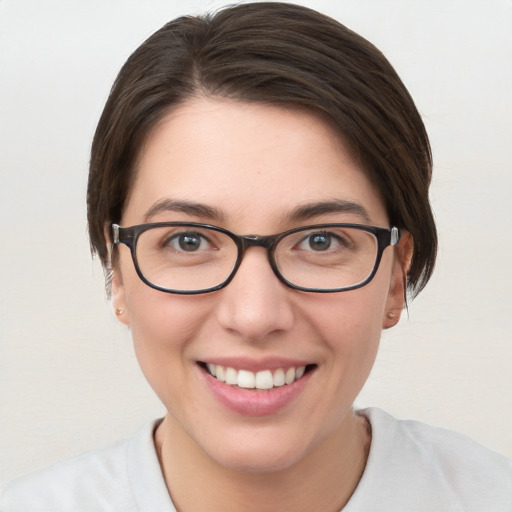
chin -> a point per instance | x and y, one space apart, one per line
256 461
256 452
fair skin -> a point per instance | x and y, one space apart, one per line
252 166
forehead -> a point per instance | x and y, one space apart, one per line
248 161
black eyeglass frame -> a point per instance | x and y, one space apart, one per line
128 236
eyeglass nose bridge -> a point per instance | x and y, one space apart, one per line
267 242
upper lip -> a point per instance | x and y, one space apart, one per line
256 365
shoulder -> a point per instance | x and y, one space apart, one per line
74 484
105 479
420 467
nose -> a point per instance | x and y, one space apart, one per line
255 304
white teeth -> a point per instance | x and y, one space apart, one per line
299 372
231 376
265 379
279 377
219 373
290 376
246 379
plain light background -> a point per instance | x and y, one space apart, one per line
69 381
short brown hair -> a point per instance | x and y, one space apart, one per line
277 54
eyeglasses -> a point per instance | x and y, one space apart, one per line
192 258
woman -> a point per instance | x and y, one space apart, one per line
258 194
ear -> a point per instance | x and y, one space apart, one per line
118 298
396 296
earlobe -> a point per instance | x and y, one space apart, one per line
391 318
396 296
118 299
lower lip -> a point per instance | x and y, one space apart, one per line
253 402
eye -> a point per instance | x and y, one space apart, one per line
322 241
188 242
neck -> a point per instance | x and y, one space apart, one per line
197 482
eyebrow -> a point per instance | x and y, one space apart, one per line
300 213
190 208
307 211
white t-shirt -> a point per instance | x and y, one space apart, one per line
411 467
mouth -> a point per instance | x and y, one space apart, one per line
263 380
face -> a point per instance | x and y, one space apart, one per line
251 166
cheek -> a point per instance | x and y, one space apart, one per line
163 328
353 343
350 326
158 320
351 319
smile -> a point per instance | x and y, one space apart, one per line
261 380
